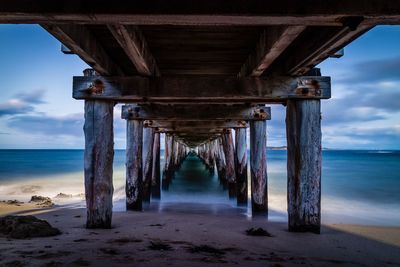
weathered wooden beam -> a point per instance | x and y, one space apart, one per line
258 166
134 167
241 165
147 162
155 176
190 131
272 44
134 44
303 132
195 124
199 112
307 51
198 12
201 89
99 154
227 144
82 42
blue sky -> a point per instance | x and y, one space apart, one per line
37 110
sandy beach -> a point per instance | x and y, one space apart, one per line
195 235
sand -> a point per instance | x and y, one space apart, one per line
195 235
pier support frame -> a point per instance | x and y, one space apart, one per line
303 131
98 162
134 171
241 165
258 166
155 175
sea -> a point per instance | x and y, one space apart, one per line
358 186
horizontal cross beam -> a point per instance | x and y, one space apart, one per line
197 113
195 124
202 89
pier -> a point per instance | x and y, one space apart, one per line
202 73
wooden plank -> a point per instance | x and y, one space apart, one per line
134 44
199 112
155 176
303 132
147 162
195 124
81 42
227 144
241 165
271 45
258 166
202 89
134 169
98 163
198 12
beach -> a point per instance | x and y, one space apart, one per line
196 224
196 237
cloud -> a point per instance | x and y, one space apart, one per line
387 69
66 125
22 103
33 97
70 125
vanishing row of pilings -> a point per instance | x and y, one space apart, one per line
303 132
231 163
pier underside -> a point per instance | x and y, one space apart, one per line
195 70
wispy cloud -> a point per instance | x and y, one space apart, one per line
22 103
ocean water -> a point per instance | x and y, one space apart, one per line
359 187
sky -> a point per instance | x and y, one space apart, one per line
37 109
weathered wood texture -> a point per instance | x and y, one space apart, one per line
304 54
155 175
229 150
258 167
303 131
135 46
241 165
147 160
134 169
81 41
271 45
168 165
220 160
199 113
195 124
98 163
201 89
199 12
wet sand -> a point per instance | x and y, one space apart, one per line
195 235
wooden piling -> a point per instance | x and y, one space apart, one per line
134 172
303 131
258 166
155 176
168 166
228 147
147 162
98 163
220 161
241 165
